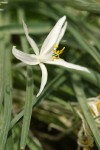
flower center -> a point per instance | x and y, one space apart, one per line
56 53
41 59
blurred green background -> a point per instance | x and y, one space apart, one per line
54 121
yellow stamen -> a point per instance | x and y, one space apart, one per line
56 53
86 148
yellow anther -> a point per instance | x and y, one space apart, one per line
56 53
86 148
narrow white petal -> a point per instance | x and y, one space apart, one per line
61 33
53 36
30 40
94 108
48 54
43 79
61 62
85 126
29 59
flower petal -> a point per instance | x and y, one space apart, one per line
93 107
61 33
53 36
61 62
44 78
30 40
48 55
29 59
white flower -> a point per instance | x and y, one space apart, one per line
45 54
94 105
85 138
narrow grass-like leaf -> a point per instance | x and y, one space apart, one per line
2 55
89 31
80 39
84 107
48 90
39 28
92 76
7 96
33 144
81 5
7 108
29 93
27 109
10 143
84 44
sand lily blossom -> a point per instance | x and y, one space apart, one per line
94 105
48 53
85 139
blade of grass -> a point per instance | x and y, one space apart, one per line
29 93
33 145
81 5
83 43
2 56
90 33
27 109
10 143
92 77
32 142
48 90
39 28
80 95
7 94
80 39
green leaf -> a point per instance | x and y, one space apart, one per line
7 94
53 84
84 107
2 61
36 29
10 143
27 109
33 143
84 44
